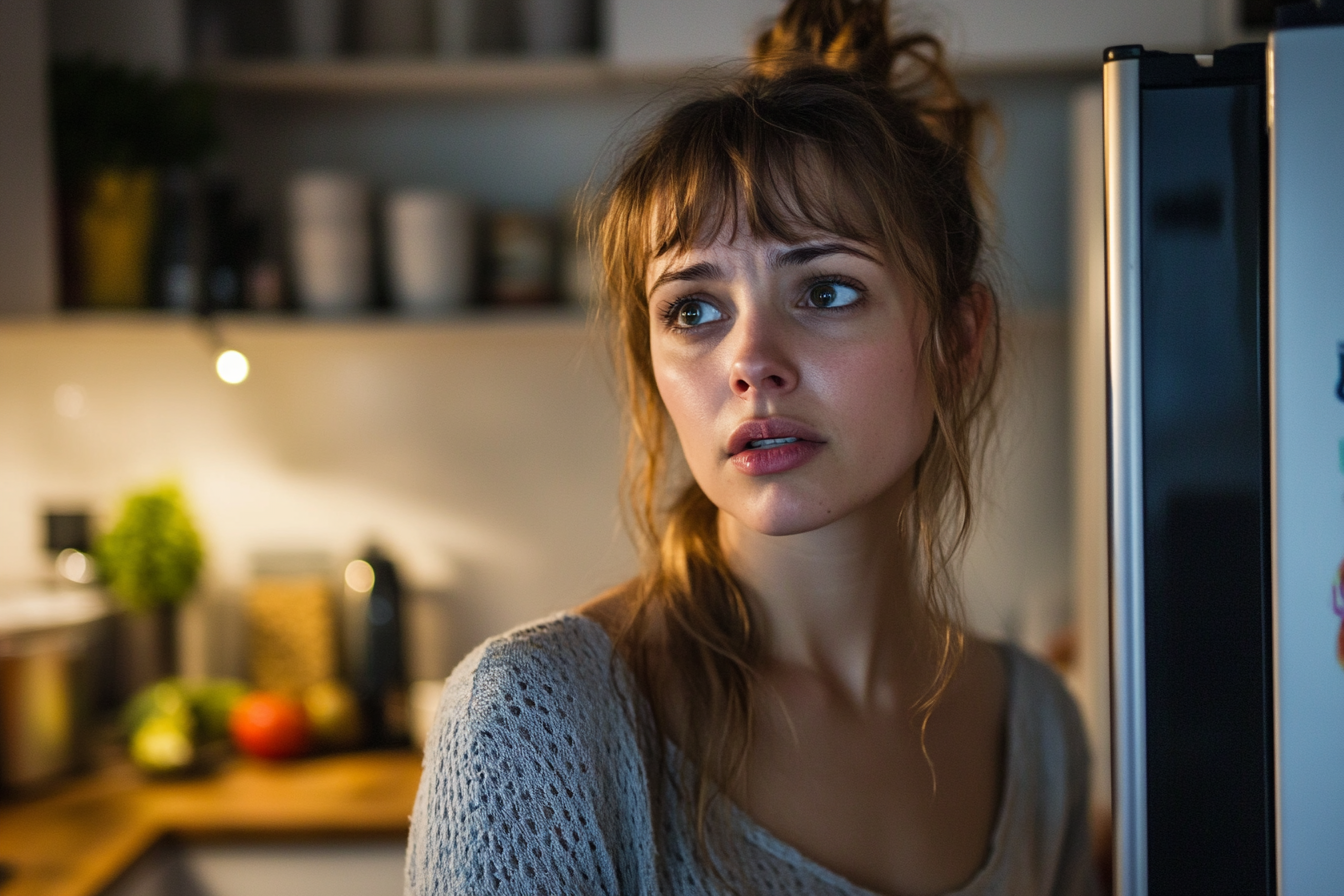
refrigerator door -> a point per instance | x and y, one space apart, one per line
1306 75
1185 291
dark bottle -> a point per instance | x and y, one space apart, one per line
383 689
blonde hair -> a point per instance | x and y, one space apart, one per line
838 126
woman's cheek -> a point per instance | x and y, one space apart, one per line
686 393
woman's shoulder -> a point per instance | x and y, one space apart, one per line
534 777
1041 840
548 667
1040 702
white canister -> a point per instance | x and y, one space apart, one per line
316 28
429 250
330 243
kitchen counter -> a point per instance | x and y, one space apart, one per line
75 840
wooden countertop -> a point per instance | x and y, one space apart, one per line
75 840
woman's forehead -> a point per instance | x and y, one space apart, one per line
728 241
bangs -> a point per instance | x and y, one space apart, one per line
783 170
768 183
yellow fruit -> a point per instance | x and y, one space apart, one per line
162 744
333 712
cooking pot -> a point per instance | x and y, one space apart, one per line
45 637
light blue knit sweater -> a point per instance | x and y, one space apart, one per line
536 780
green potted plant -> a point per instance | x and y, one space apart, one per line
150 561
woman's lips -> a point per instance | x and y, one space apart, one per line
761 447
774 459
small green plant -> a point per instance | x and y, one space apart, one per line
152 557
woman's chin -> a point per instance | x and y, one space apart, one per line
779 519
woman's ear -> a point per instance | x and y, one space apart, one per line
975 316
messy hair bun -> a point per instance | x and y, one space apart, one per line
838 126
855 36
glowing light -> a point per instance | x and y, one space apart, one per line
76 566
359 576
70 401
231 366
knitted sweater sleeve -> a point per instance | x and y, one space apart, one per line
533 781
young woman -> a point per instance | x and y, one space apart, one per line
784 700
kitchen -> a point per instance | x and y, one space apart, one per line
482 449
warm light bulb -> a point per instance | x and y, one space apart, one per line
231 366
76 566
359 576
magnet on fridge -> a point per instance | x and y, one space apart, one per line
1337 601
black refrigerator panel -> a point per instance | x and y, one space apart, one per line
1186 191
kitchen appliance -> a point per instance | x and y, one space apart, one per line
45 682
1227 526
383 681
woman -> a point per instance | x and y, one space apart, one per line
784 700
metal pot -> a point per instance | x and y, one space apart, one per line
44 684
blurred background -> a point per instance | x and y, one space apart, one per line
371 203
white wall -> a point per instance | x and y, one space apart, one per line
27 258
1018 561
485 457
1087 374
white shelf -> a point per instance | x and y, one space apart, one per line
477 77
526 77
562 316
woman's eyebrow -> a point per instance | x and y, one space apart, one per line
704 270
812 251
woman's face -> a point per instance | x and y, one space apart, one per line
791 374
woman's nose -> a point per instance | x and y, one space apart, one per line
761 363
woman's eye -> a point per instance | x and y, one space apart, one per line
692 313
830 294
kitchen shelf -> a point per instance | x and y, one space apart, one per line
505 76
546 316
477 77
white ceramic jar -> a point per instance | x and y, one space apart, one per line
430 250
330 242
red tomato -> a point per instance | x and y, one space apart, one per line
270 726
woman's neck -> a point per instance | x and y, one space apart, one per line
839 602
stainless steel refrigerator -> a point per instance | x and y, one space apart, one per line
1225 318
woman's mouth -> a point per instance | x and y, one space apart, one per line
762 447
